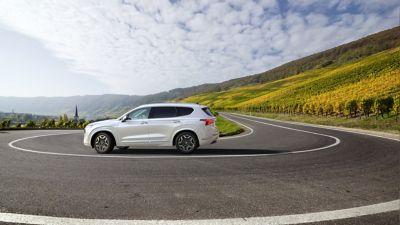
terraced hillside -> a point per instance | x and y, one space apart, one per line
333 90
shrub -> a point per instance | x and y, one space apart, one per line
44 123
366 106
396 106
384 105
5 124
351 107
51 123
30 124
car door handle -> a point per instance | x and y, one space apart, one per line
176 121
143 122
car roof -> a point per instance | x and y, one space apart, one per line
173 104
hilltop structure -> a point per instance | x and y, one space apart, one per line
76 117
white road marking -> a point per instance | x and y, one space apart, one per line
285 219
319 126
251 131
337 141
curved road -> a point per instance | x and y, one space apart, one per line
256 175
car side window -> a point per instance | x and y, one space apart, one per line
162 112
184 111
139 114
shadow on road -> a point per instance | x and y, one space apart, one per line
197 152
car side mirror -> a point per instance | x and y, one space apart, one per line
125 118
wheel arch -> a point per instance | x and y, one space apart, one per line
185 130
101 131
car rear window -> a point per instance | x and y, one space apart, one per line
207 111
162 112
184 111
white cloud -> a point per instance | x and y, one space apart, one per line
142 47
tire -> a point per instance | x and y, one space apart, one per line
186 142
103 143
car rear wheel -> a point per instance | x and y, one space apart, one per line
103 143
186 142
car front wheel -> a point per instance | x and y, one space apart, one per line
103 143
186 142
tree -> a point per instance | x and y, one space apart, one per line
5 124
51 123
85 123
384 105
82 123
389 102
44 123
366 106
60 122
68 124
396 107
329 109
351 107
65 117
30 124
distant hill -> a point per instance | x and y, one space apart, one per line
91 106
94 106
319 91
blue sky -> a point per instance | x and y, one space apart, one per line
74 47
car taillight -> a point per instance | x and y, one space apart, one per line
208 121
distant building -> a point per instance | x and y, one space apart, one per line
76 117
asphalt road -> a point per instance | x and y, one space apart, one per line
252 176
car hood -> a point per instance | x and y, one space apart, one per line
104 123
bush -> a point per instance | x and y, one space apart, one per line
44 123
384 105
351 107
396 106
30 124
5 124
366 106
51 123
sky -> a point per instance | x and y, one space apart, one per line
75 47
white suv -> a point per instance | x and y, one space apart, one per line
186 126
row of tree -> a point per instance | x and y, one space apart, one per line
351 108
62 122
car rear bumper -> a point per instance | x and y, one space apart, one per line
210 140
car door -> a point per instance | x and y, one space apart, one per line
162 123
134 129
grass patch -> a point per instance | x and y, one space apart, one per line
386 124
227 127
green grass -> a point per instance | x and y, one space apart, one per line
227 127
386 124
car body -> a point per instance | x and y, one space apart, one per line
155 125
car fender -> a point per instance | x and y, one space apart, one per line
105 128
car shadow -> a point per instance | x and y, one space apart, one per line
218 151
